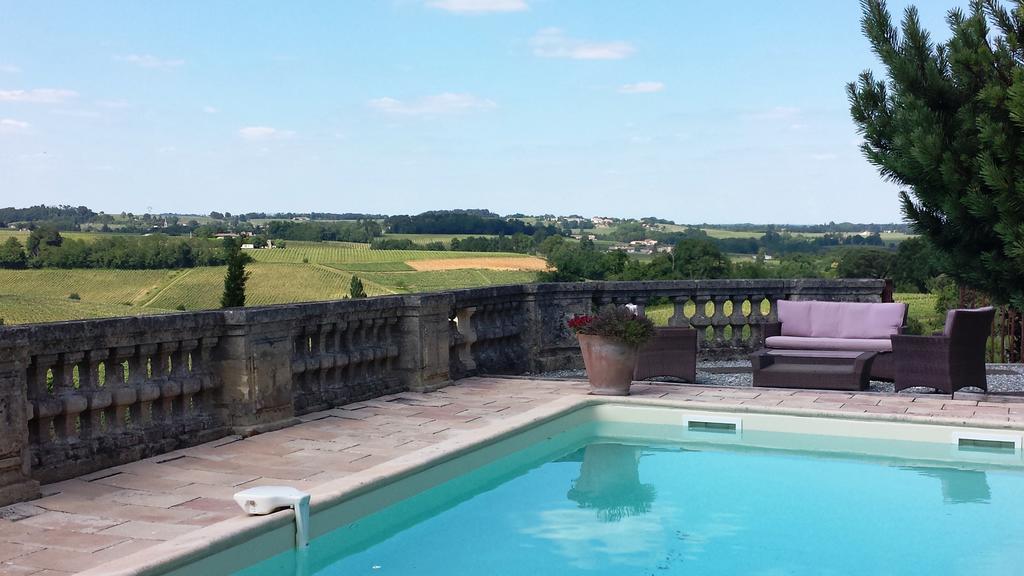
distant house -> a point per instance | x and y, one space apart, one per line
248 247
601 222
299 219
226 235
644 243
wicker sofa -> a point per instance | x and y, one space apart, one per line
843 326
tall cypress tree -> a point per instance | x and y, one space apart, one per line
356 289
237 276
947 126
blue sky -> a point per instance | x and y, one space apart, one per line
693 111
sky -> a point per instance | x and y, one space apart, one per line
716 112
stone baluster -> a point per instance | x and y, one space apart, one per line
44 406
141 376
342 353
756 320
738 320
464 318
165 406
72 403
190 384
390 340
641 305
678 317
94 389
719 321
201 368
123 395
700 319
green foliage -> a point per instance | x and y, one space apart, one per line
916 263
361 231
947 295
129 253
405 244
236 276
801 266
356 289
580 261
947 125
695 258
74 296
518 243
41 237
865 263
615 322
12 254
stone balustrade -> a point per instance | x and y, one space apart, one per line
81 396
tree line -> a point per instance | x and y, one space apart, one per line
46 248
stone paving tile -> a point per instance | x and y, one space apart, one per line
10 550
150 530
84 522
66 521
14 570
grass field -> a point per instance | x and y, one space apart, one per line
351 253
303 271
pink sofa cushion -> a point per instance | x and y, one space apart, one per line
847 344
840 319
795 317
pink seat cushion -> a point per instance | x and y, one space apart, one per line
848 344
840 319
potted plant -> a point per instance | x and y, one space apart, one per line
609 341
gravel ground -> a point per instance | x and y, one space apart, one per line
1002 378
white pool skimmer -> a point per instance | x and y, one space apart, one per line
262 500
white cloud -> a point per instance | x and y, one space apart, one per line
38 95
113 104
9 69
210 109
150 61
436 105
264 133
641 88
553 43
12 126
479 6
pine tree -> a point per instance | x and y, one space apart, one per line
356 288
947 126
236 277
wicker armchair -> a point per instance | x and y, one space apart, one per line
671 352
948 361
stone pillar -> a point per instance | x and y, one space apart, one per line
16 483
252 360
549 308
423 338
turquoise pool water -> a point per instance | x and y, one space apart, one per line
585 505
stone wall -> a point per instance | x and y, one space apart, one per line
80 396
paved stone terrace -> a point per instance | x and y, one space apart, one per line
85 522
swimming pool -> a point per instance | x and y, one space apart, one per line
639 490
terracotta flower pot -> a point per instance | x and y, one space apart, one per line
609 363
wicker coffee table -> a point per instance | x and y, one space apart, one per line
812 369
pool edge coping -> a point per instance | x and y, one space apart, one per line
209 540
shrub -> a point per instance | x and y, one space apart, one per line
615 322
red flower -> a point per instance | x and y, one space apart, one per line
578 322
